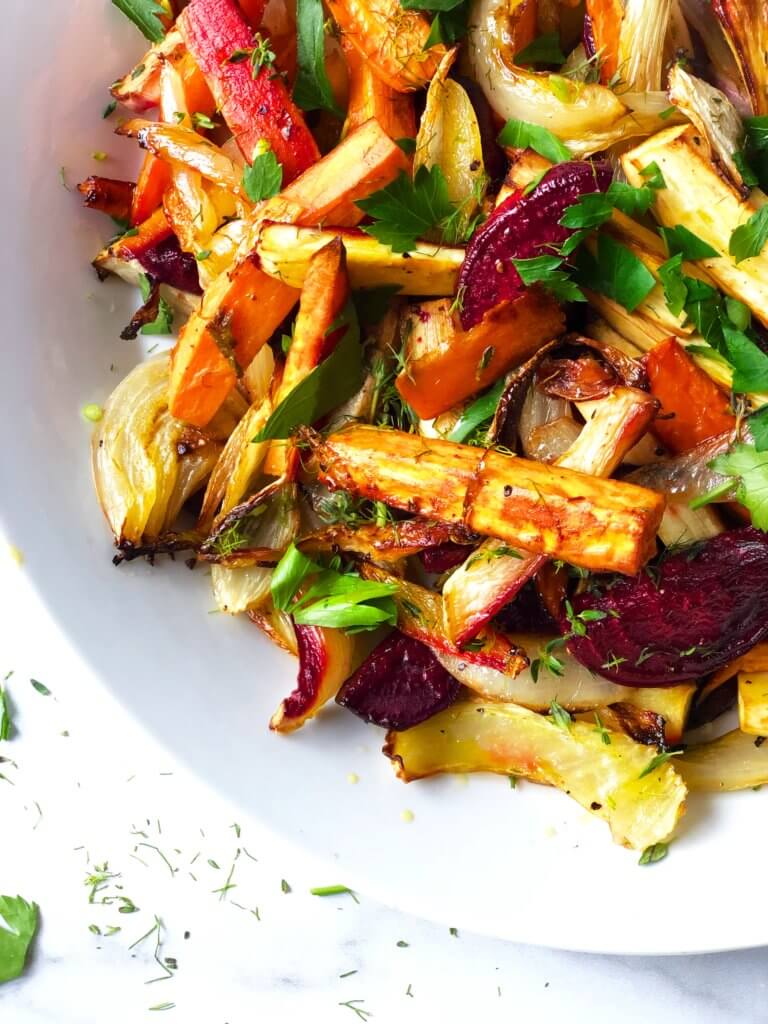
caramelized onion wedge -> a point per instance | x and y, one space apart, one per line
420 616
713 114
510 740
140 477
732 761
577 690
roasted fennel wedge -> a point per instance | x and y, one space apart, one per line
733 761
615 780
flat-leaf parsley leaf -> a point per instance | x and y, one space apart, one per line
20 920
145 15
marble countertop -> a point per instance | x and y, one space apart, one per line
97 819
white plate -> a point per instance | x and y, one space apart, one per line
528 865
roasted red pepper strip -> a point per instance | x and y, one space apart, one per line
695 406
254 108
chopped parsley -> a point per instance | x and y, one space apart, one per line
545 270
21 919
264 177
525 135
145 15
749 239
748 469
615 271
595 208
679 240
163 322
411 209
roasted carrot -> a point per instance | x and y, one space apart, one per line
390 39
445 364
154 179
323 296
605 17
366 161
151 231
108 195
693 407
369 97
254 107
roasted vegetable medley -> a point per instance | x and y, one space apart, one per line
468 404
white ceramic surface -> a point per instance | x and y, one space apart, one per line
528 865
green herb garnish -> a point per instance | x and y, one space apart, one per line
545 270
748 240
479 412
145 15
312 90
652 854
680 240
16 934
658 761
264 177
449 23
163 322
330 384
524 135
411 209
615 271
545 49
560 716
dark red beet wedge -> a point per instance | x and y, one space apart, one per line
167 264
522 227
693 613
400 684
443 557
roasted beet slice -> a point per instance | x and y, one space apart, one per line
526 613
522 227
400 684
167 264
689 615
443 557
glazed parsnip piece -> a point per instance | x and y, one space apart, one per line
493 574
753 702
700 199
611 780
284 252
599 524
